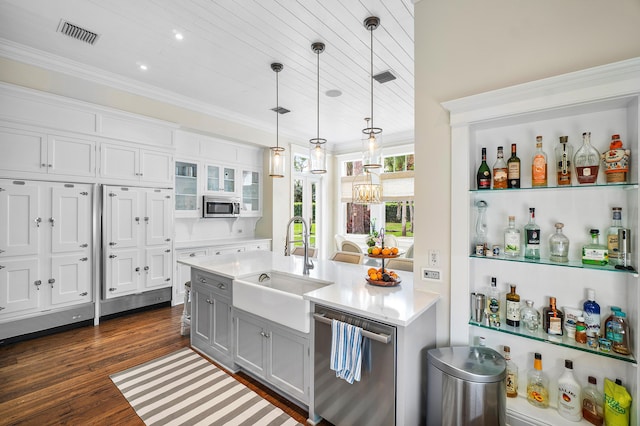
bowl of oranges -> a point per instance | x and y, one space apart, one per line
384 253
382 277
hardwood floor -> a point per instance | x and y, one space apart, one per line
64 378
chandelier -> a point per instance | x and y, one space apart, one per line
366 188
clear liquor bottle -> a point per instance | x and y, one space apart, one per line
532 237
512 239
537 384
529 316
559 245
513 307
512 374
564 156
612 235
539 165
592 403
500 171
587 161
483 177
595 253
513 169
480 240
493 304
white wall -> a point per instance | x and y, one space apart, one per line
467 47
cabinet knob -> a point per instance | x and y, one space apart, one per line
43 165
37 220
203 281
51 281
84 259
137 269
85 245
113 256
52 221
37 283
221 286
146 268
84 294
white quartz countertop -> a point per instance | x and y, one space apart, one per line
350 292
179 245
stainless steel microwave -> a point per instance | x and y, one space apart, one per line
219 207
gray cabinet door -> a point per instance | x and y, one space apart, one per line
200 317
250 343
289 362
222 327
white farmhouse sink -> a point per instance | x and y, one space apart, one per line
277 298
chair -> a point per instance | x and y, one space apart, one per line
338 239
400 263
409 253
390 240
350 246
348 257
299 251
185 324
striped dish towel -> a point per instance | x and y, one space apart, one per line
346 351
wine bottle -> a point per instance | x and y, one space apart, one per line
483 178
513 169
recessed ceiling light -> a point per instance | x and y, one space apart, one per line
333 93
178 35
143 67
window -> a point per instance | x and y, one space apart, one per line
306 196
399 218
399 163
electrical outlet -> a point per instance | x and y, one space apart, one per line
431 274
434 258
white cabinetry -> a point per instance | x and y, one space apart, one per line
45 246
220 179
188 203
137 225
251 201
130 163
603 101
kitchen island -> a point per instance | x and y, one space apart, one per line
344 289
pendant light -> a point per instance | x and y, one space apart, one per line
372 142
366 188
276 154
318 151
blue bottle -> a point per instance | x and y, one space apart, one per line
592 314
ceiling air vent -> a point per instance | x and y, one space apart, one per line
77 32
384 77
280 110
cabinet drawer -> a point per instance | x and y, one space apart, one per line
217 284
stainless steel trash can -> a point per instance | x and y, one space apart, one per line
466 387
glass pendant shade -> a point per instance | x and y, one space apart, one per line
276 153
365 190
318 150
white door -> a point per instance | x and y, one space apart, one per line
19 285
70 156
70 279
124 220
157 217
23 151
156 166
20 223
70 219
123 272
157 267
119 162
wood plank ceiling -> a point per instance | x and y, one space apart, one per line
222 65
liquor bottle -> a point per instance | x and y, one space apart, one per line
512 239
537 384
607 324
592 314
483 178
612 235
616 161
512 374
587 161
595 253
564 155
493 304
480 243
539 165
500 171
552 319
513 307
559 245
532 237
581 331
513 169
569 390
593 403
620 336
529 316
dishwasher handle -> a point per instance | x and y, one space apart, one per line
378 337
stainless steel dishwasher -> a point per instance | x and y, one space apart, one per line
372 400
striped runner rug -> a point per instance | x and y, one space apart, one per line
183 388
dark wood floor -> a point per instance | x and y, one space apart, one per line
64 378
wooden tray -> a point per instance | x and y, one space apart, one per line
384 283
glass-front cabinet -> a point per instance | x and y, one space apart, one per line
220 179
251 200
186 188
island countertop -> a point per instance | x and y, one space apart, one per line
349 292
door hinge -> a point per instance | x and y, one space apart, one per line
113 194
2 267
84 193
168 279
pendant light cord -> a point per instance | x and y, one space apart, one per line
318 97
277 112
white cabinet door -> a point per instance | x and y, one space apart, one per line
157 268
251 204
123 272
157 217
69 156
70 219
124 220
20 222
19 285
156 166
23 151
70 279
119 162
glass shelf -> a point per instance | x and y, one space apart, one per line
571 264
186 177
565 341
553 188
